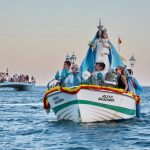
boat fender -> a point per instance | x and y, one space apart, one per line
138 110
46 105
138 106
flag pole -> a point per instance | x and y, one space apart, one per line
119 49
119 45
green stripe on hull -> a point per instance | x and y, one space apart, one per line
111 107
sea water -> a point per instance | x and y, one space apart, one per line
24 125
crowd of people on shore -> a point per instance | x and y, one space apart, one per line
5 77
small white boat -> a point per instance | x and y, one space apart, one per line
91 103
19 86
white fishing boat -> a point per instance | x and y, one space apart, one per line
92 103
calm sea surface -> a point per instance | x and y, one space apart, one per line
25 125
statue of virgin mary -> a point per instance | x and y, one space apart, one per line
101 49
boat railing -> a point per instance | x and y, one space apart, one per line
111 83
52 84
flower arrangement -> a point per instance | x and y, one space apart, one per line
91 44
111 75
99 76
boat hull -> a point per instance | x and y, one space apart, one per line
90 105
19 86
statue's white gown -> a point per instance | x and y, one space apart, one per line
102 53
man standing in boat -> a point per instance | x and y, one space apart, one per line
98 75
64 74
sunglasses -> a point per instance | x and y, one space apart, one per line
74 68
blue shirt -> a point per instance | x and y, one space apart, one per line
73 80
61 77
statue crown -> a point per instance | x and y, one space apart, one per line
101 27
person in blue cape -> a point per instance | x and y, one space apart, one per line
74 78
64 73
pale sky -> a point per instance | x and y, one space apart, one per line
35 35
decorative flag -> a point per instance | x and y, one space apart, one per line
119 40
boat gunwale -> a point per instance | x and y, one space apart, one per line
106 91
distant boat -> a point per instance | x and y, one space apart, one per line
19 86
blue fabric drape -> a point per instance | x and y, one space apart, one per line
114 58
135 85
88 62
89 59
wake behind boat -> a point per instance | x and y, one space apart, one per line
102 100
